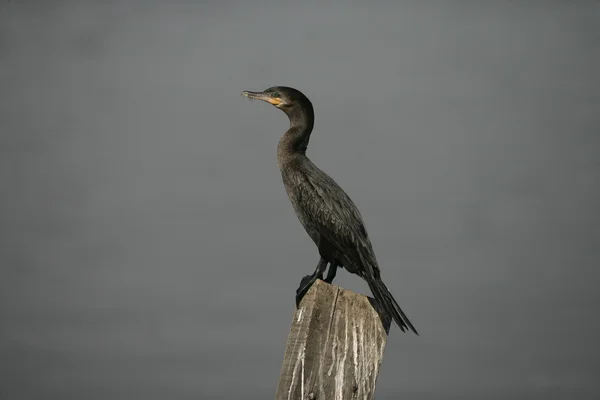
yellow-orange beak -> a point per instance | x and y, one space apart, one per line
262 96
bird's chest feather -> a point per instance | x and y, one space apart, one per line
300 194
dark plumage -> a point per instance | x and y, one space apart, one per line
328 215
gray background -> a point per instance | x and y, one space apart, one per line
148 249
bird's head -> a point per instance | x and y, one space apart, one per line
282 97
292 102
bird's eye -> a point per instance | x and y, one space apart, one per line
275 94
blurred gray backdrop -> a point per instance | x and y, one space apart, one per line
148 249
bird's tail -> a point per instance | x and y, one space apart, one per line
389 304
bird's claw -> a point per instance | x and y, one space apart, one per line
305 285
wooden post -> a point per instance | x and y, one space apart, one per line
335 347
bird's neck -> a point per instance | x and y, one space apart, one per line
295 141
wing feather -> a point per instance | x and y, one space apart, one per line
337 219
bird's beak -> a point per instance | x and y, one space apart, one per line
262 96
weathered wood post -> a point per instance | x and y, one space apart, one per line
334 348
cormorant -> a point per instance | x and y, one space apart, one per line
327 213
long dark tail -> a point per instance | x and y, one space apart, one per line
389 304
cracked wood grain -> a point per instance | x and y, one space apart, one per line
335 347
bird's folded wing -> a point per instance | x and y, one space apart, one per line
338 219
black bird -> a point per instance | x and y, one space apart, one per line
328 215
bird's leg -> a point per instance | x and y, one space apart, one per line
305 281
308 280
318 272
331 272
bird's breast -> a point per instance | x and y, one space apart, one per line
296 189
